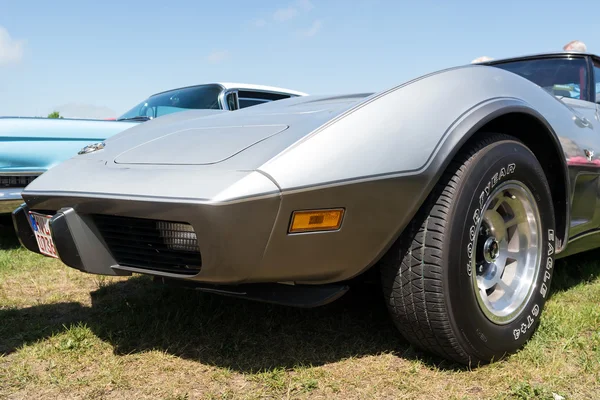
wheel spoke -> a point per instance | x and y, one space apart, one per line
483 294
518 256
498 203
512 222
508 290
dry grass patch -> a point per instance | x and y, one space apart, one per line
65 334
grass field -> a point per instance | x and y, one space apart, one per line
65 334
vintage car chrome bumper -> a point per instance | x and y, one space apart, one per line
10 198
11 187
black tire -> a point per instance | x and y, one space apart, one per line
426 275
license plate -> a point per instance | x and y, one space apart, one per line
41 228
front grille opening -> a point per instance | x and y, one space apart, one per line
151 244
16 181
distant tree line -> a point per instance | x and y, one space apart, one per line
54 114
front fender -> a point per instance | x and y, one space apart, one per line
413 131
473 121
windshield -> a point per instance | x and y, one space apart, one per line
191 98
566 77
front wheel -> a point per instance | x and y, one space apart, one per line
469 276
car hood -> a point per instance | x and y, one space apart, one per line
25 128
190 138
32 145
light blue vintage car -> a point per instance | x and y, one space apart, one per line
31 146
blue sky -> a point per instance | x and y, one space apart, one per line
106 56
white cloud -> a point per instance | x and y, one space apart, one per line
284 14
259 23
218 56
288 13
313 30
11 50
85 111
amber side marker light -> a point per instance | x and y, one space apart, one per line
316 220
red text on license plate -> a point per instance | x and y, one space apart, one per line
41 228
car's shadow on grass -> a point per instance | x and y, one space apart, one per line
8 238
575 270
138 315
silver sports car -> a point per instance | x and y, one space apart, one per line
459 187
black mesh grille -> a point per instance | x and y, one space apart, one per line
16 180
151 244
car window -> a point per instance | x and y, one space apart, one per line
249 98
559 76
189 98
251 94
597 80
247 102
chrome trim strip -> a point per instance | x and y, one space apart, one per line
222 102
149 271
21 173
10 194
10 199
255 99
223 99
593 231
162 199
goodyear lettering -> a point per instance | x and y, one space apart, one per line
544 290
476 216
502 173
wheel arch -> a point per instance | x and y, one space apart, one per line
516 118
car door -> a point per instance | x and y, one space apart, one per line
585 174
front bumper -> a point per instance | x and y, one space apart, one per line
241 239
10 198
232 238
78 247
